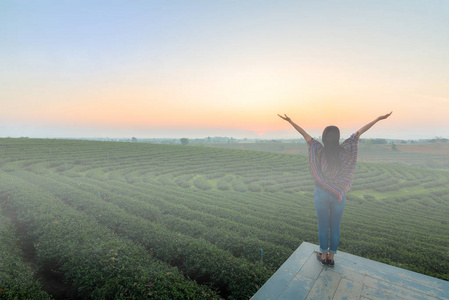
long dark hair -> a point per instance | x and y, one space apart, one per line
331 142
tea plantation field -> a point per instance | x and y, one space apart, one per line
85 219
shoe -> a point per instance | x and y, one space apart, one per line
323 262
330 262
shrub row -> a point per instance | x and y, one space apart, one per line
92 258
213 223
234 277
16 277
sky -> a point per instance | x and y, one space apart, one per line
194 69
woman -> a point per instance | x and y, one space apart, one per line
333 166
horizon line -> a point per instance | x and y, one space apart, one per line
211 137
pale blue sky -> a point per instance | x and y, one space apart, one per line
195 68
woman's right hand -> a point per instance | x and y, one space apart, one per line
306 136
286 118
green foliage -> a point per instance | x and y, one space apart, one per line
16 278
178 216
393 147
378 141
239 186
92 258
202 183
224 184
254 187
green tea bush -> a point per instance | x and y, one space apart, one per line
95 174
254 187
16 277
216 175
202 183
166 180
223 184
239 186
184 180
93 259
369 197
272 188
166 245
116 176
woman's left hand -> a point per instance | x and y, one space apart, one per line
384 116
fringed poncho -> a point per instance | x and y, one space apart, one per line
336 180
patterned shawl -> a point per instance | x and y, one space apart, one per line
336 180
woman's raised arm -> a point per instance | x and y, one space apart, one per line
370 124
306 136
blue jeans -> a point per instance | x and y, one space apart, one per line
329 212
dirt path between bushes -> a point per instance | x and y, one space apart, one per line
52 281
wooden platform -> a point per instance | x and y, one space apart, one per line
353 277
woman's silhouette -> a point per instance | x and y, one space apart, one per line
333 166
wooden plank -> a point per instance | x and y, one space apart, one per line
348 289
311 268
298 288
433 287
280 280
325 286
383 287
